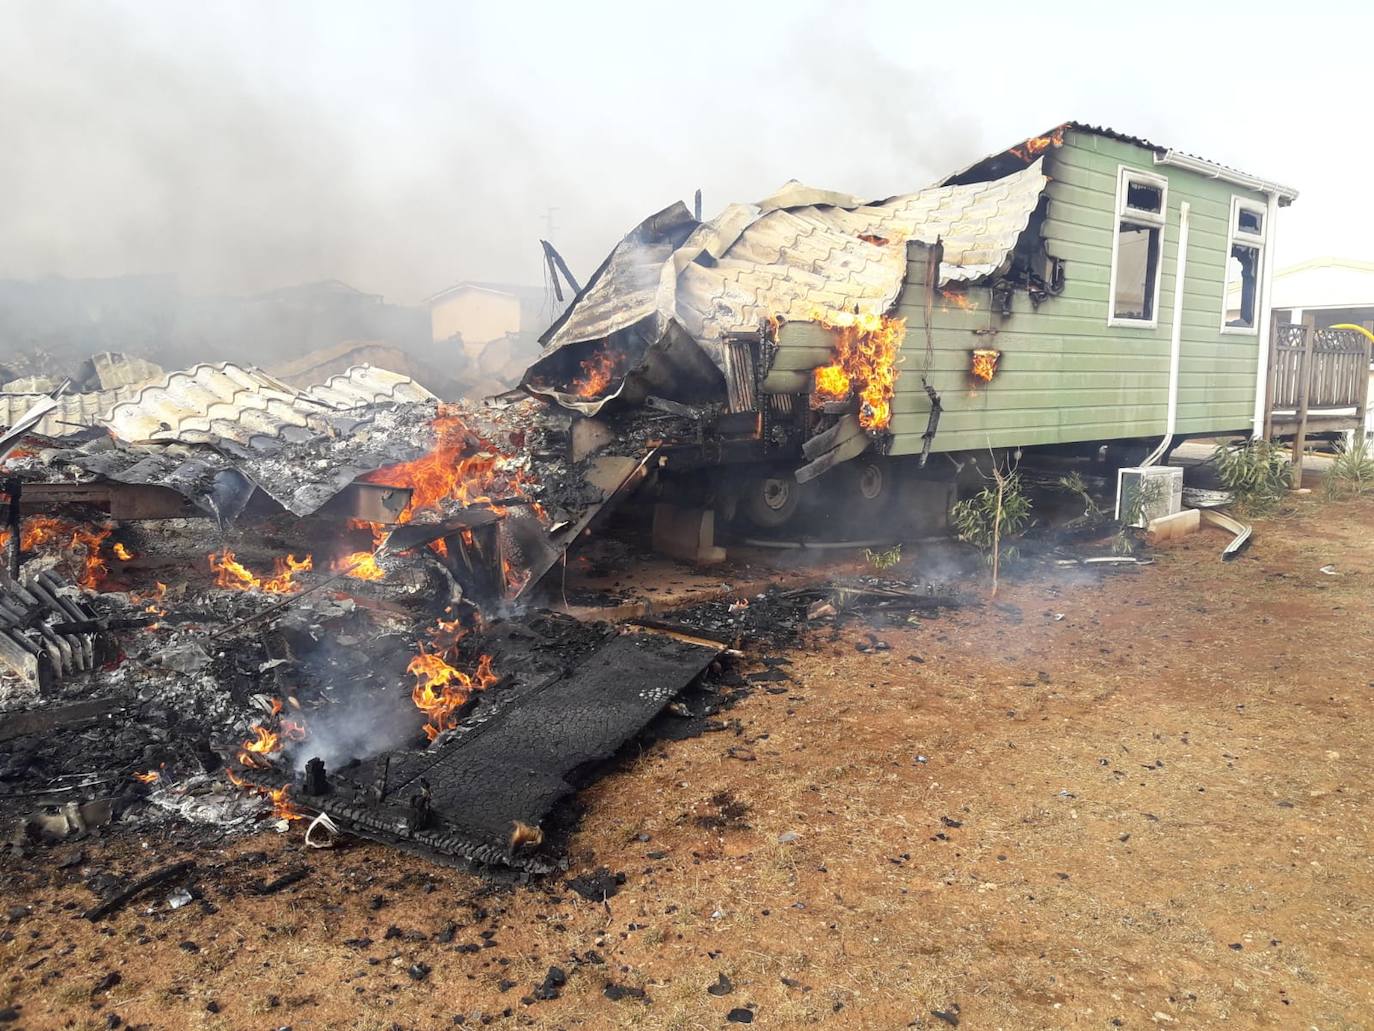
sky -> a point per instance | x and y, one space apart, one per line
405 146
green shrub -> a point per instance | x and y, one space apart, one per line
976 519
1352 470
1256 472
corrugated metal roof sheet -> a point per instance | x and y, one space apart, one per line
73 414
227 403
797 254
368 385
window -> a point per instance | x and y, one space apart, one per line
1137 248
1243 262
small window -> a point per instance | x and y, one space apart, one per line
1244 263
1138 247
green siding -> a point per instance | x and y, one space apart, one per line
1064 374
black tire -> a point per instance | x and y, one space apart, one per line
770 501
869 490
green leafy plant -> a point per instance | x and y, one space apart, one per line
998 512
886 559
1256 472
1352 470
1139 498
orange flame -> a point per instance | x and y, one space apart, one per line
958 298
449 472
151 777
984 363
366 567
39 531
1037 145
282 806
597 373
440 689
231 573
866 351
263 742
123 553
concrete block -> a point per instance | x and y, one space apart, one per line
686 533
1180 524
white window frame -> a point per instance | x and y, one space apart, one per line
1234 236
1125 175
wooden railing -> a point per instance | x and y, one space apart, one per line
1318 381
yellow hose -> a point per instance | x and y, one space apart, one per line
1357 329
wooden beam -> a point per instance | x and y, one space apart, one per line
1305 385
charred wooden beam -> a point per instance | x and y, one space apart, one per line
125 895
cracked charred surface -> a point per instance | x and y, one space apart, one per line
1151 811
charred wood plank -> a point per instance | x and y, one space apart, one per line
44 720
284 881
122 897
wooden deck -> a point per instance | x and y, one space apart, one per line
1318 383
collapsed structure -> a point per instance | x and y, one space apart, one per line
792 364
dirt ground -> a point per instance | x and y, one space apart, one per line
1151 812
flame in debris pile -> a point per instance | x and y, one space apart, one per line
282 806
40 531
597 373
1037 145
984 363
364 566
122 553
462 468
231 573
440 689
263 742
151 777
866 352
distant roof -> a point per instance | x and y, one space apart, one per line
1325 283
317 288
524 293
1005 161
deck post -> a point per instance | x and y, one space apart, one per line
1269 382
1309 336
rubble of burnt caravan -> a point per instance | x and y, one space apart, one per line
347 604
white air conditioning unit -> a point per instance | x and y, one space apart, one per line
1148 493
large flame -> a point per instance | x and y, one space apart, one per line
440 689
76 540
230 572
361 565
461 468
866 352
597 373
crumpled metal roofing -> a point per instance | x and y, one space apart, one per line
797 254
232 404
74 413
368 385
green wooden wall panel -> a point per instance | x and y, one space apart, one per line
1064 374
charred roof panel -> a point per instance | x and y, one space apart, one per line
796 254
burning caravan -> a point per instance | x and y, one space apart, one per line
1068 294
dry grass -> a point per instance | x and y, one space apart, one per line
1176 767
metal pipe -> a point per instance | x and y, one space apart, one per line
1175 337
1266 316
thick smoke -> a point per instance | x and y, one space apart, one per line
139 142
